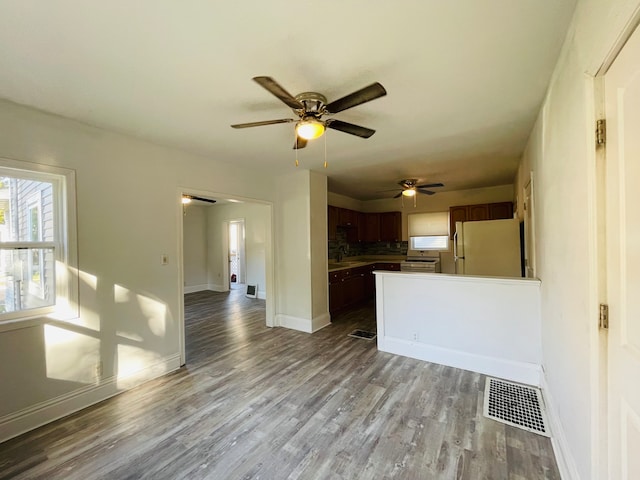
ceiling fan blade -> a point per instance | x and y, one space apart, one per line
299 143
428 192
398 195
202 199
366 94
431 185
276 89
349 128
259 124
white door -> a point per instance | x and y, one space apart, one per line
622 92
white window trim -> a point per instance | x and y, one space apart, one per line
66 306
35 201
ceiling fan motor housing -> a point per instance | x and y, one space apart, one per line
313 104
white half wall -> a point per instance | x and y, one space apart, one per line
483 324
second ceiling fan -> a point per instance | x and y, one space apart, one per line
410 188
310 107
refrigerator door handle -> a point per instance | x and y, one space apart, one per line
455 248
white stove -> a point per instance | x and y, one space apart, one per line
421 264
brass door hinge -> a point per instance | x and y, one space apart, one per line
601 132
603 321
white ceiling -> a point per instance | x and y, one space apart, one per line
465 80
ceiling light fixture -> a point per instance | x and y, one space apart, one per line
310 128
186 200
409 192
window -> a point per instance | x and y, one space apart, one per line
428 231
35 237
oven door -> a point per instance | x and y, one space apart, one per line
422 267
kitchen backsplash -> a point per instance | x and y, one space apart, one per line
340 245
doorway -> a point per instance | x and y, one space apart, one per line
236 254
529 234
254 227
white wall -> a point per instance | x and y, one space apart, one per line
257 232
561 153
302 212
128 216
482 324
194 250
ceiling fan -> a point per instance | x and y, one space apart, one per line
410 188
310 107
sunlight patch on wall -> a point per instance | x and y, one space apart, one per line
121 294
156 314
70 355
134 365
88 279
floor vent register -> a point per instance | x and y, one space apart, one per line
516 405
363 334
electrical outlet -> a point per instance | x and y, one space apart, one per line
99 370
415 336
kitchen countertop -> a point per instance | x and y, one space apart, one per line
354 262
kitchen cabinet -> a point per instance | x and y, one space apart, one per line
391 226
389 266
478 212
332 221
346 217
336 290
499 211
482 211
370 281
371 227
456 214
354 287
351 286
364 227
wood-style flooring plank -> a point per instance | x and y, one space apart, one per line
270 403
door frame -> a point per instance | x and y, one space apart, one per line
598 261
269 258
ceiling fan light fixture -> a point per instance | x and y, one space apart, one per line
310 129
409 192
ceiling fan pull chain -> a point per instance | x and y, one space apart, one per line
325 150
295 142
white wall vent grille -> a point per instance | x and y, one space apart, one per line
516 405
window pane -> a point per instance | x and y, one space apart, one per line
27 278
432 242
26 210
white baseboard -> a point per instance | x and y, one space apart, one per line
320 322
303 324
35 416
522 372
564 459
217 288
196 288
262 295
294 323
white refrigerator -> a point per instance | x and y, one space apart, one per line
489 247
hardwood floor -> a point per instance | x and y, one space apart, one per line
261 403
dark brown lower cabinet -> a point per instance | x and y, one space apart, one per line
352 286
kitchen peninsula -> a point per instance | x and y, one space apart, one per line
489 325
